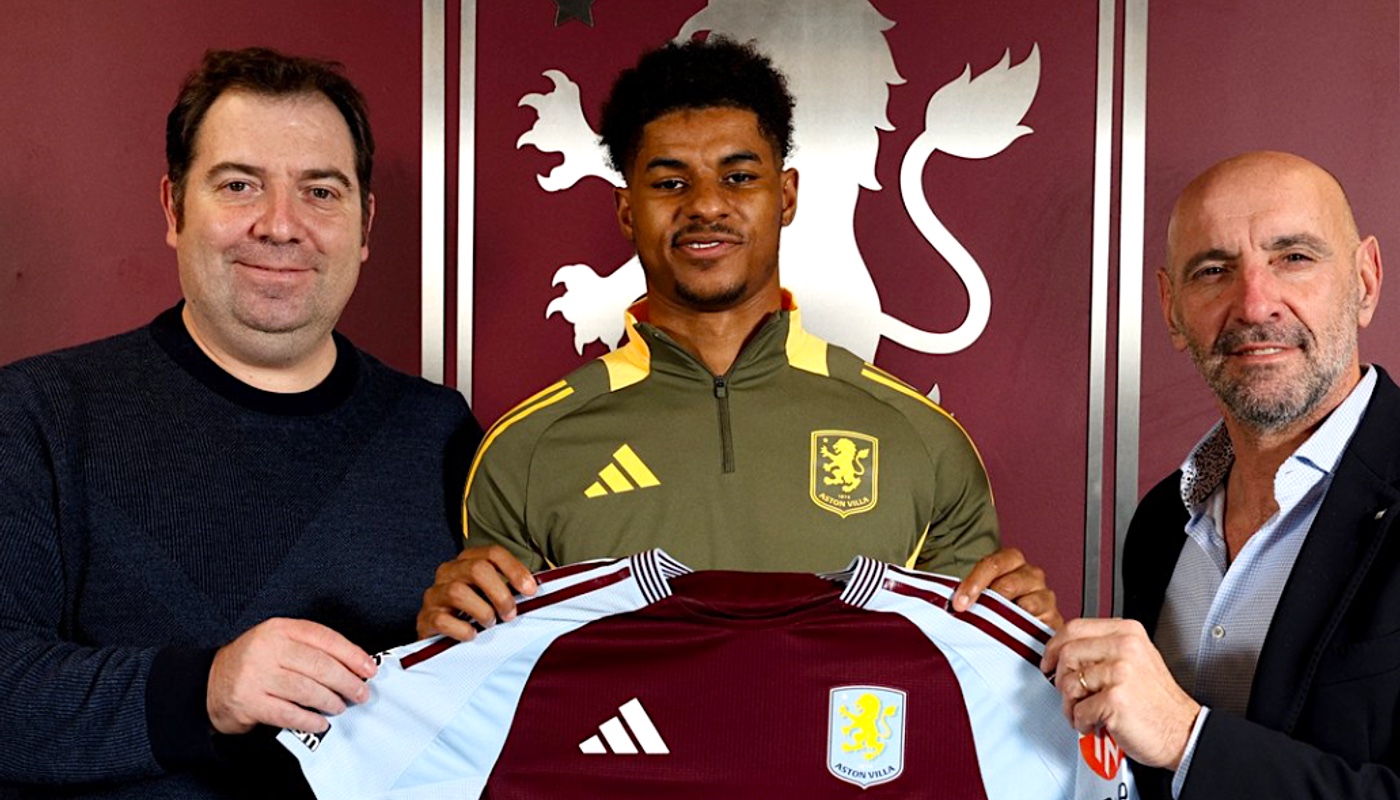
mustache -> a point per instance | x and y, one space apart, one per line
700 228
1235 338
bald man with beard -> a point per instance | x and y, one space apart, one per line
1260 656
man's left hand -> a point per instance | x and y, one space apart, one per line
1009 574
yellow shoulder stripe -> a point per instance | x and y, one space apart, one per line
883 378
874 373
543 399
524 405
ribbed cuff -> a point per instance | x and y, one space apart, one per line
177 714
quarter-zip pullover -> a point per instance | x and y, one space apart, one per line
799 458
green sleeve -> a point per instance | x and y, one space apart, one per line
494 506
963 527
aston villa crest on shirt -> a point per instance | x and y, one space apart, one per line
845 471
865 734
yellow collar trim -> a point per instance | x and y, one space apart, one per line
631 363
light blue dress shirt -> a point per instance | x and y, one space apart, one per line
1216 613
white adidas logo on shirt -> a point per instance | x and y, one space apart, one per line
617 738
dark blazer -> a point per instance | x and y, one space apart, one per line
1324 711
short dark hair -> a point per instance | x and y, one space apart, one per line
710 73
260 70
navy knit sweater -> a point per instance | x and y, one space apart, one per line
153 508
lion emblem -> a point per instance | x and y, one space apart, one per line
865 734
845 464
840 68
868 727
845 471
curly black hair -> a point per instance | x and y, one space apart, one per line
710 73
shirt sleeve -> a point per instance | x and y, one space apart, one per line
82 709
963 525
494 503
1185 766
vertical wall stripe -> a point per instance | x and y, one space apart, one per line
466 197
1098 308
434 166
1131 208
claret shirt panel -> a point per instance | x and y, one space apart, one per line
636 678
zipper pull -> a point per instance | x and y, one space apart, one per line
721 387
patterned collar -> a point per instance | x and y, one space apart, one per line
1207 465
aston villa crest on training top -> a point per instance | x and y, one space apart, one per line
845 471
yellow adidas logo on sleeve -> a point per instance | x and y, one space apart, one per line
623 473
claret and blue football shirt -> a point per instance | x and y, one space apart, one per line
637 678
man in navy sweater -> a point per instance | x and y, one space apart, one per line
209 523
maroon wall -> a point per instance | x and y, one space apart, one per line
86 87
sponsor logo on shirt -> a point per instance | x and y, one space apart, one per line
311 740
845 471
1101 753
865 734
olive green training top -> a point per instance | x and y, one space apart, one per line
798 459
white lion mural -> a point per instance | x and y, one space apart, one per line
840 69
